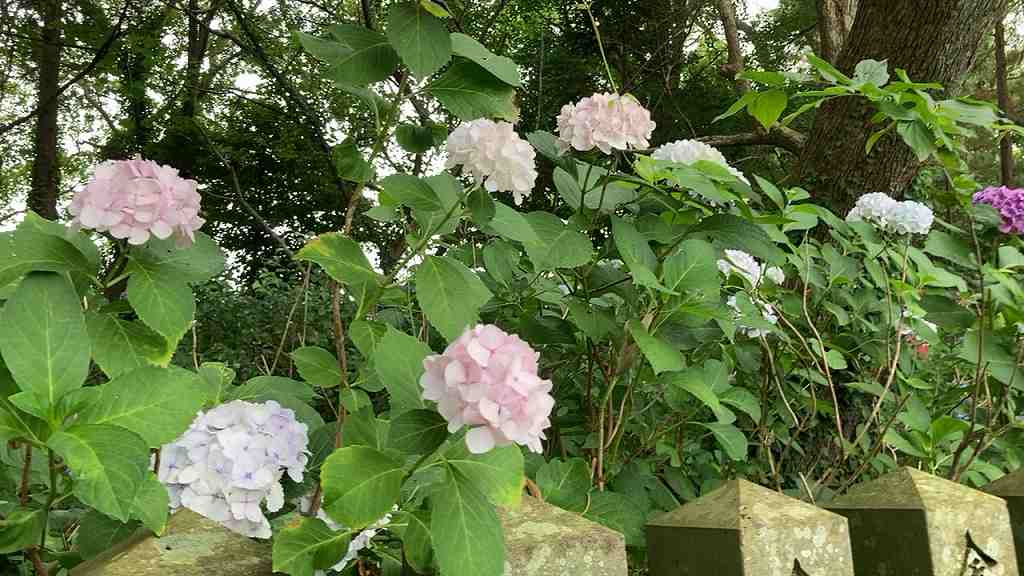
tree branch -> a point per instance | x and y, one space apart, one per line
779 136
727 13
101 53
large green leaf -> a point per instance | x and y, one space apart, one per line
158 404
636 253
565 483
768 107
20 529
420 38
997 359
662 355
109 465
692 267
731 438
195 263
465 530
162 299
151 503
290 394
619 513
417 431
360 485
370 57
471 92
558 245
411 191
501 67
399 363
416 543
497 473
36 246
731 231
98 533
449 294
297 545
119 346
43 337
339 256
317 366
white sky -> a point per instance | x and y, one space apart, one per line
756 6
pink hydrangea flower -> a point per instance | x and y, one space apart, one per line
1010 204
606 121
136 199
487 380
495 155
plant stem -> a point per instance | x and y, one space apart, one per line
600 46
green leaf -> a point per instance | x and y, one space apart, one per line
369 58
20 529
738 105
768 107
568 188
158 404
151 503
619 513
119 346
449 294
262 388
481 206
501 67
919 137
317 366
946 313
98 533
399 363
731 231
949 247
80 239
367 335
43 337
465 529
417 432
636 253
196 263
902 444
947 428
1000 362
565 483
871 72
412 191
33 249
420 38
339 256
109 464
350 162
497 473
163 300
416 139
743 400
501 260
731 439
827 71
471 92
662 355
692 382
594 323
692 267
296 546
558 245
360 485
416 541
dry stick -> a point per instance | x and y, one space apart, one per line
824 355
37 562
23 491
291 313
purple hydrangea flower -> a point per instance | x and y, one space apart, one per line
1010 204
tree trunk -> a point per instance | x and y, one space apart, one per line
835 18
45 168
933 41
1006 161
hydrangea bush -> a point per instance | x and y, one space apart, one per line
665 323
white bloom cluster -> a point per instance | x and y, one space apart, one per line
767 312
359 542
888 214
495 155
231 460
691 151
746 266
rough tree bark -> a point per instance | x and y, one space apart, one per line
45 167
835 18
1006 162
933 41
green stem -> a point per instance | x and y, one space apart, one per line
51 498
600 46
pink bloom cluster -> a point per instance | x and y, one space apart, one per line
487 379
606 121
1010 204
137 198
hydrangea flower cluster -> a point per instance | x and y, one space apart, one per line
605 121
1010 204
495 155
890 215
136 199
690 151
487 380
767 312
359 542
231 460
747 267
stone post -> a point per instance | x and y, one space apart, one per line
1011 489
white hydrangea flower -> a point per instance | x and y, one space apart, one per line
690 151
767 312
230 461
887 214
605 121
747 267
495 155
